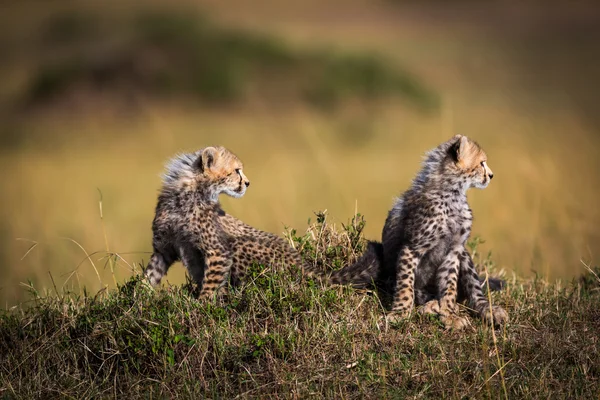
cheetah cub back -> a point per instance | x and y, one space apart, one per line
425 233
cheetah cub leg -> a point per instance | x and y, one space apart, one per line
474 293
218 266
157 267
403 302
447 281
193 260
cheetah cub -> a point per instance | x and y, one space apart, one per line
423 239
425 233
190 225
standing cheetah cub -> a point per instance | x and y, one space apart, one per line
190 225
423 240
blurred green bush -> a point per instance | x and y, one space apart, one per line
176 53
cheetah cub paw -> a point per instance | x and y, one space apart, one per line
450 319
397 316
497 315
455 322
432 307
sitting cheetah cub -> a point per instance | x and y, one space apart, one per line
425 233
423 239
190 225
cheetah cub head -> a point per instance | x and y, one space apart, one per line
469 162
220 171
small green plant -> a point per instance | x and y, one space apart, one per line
328 247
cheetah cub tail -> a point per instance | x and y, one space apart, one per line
365 271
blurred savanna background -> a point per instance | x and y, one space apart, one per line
330 104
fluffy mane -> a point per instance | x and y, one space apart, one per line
432 162
180 167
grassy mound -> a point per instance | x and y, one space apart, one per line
283 336
165 53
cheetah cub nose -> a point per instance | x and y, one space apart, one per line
247 183
491 175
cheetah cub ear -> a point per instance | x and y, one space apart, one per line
462 148
206 159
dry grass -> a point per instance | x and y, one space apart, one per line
282 336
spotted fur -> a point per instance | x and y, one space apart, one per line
424 236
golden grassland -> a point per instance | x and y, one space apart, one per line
539 214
